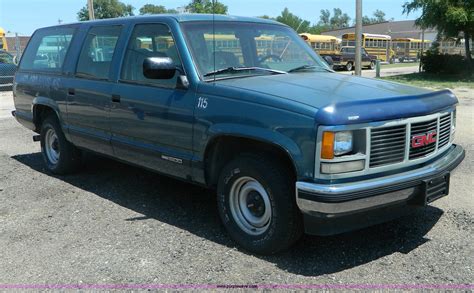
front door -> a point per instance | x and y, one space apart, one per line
151 119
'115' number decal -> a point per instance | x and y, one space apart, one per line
202 103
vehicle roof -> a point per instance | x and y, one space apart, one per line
410 40
370 35
180 18
319 38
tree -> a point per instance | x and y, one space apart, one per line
324 17
106 9
293 21
379 16
339 19
206 6
449 17
155 9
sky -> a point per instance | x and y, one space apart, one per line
24 16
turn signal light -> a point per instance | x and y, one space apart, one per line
327 148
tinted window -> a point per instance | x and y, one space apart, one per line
97 52
47 50
149 40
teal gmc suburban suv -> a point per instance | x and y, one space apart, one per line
245 107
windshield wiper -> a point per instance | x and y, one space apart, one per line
306 67
239 69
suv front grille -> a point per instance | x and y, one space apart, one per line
444 130
387 145
423 128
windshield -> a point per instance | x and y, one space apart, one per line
261 49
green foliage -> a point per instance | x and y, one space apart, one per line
106 9
379 16
449 17
433 62
155 9
293 21
207 6
339 19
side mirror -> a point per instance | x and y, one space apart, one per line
159 68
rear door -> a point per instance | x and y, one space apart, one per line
151 119
90 91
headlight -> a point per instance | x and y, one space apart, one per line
342 143
336 144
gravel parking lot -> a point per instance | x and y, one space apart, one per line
112 223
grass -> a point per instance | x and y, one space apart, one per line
435 81
398 65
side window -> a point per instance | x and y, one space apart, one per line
149 40
47 50
97 52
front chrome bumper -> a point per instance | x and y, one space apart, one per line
332 200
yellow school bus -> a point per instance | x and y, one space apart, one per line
374 44
408 48
453 46
3 40
325 45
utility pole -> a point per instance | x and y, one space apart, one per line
90 7
358 37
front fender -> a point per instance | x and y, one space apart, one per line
302 156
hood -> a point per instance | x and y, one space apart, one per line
343 99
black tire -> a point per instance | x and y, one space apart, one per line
349 66
285 225
372 65
68 156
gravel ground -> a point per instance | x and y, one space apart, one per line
112 223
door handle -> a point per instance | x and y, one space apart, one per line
116 98
71 91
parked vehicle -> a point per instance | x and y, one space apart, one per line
408 49
374 44
324 45
345 59
7 69
289 145
454 46
3 40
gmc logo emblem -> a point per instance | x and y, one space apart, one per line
417 141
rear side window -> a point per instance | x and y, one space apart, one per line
97 52
47 50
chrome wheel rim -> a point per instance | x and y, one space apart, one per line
51 145
250 206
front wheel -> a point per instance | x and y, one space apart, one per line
59 155
372 65
349 66
257 205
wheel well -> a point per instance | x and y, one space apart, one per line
223 149
40 112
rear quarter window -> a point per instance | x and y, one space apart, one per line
47 50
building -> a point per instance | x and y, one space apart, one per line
395 29
11 44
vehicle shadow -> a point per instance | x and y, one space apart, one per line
194 209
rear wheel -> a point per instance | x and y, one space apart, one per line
256 201
59 155
349 66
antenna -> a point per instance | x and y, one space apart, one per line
214 36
